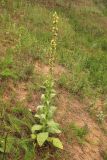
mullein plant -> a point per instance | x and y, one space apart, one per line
46 128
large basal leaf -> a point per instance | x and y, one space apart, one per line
42 137
36 127
53 124
57 143
53 127
53 130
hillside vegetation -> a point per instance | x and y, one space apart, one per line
80 74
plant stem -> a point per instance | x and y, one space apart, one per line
4 154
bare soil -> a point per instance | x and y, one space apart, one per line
72 110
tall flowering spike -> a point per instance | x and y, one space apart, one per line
53 42
45 126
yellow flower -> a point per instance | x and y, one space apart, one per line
53 42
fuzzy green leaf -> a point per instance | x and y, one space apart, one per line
57 143
37 116
36 127
41 138
43 97
40 107
33 136
53 127
41 116
51 111
53 95
54 130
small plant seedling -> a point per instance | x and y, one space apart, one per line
100 117
78 132
95 113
